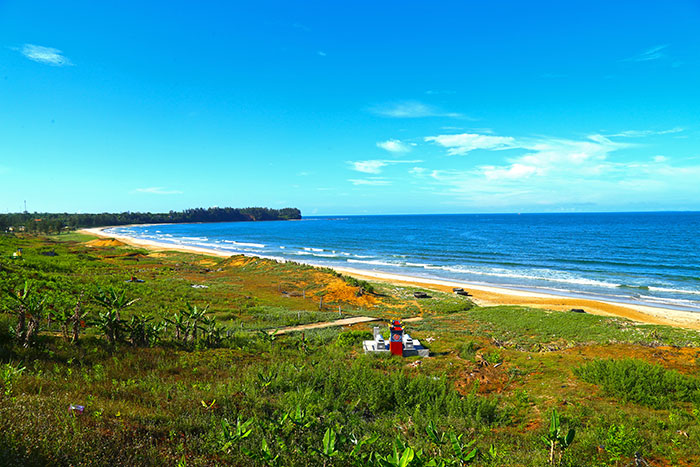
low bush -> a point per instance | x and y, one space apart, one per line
352 338
641 382
467 350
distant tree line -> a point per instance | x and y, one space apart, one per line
56 222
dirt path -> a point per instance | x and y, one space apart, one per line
338 322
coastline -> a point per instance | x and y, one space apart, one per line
482 295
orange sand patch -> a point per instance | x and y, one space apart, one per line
105 242
339 291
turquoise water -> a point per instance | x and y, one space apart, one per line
649 258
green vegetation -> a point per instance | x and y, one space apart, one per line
185 368
641 382
363 286
45 222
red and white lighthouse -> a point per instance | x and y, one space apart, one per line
396 340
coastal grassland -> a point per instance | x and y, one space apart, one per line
245 396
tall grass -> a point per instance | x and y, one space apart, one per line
641 382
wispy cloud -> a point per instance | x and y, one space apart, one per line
462 144
301 27
394 145
372 181
157 190
321 53
434 92
46 55
411 109
644 133
559 171
376 166
653 53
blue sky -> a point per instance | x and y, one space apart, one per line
353 108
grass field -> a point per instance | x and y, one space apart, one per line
165 383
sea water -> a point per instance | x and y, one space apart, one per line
646 258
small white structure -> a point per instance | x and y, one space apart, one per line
410 347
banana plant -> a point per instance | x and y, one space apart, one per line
329 449
555 439
111 325
434 435
298 418
179 322
30 310
399 459
264 456
195 316
142 332
461 451
266 379
230 436
357 455
213 333
112 299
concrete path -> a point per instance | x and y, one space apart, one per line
338 322
327 324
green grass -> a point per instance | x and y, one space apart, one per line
494 376
533 329
641 382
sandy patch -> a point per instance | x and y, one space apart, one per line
105 242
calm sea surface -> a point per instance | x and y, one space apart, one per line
651 258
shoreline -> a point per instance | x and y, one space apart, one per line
482 295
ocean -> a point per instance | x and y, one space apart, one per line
643 258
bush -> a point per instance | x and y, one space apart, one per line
352 338
640 382
364 286
467 350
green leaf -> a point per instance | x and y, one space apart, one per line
329 442
469 457
569 438
406 458
433 434
554 424
456 445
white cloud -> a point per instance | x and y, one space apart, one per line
369 167
411 109
461 144
46 55
375 166
653 53
373 181
514 171
394 145
157 190
321 53
644 133
556 172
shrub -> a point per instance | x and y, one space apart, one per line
467 350
352 338
364 286
640 382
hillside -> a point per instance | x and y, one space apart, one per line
190 370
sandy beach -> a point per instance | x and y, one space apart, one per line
482 295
